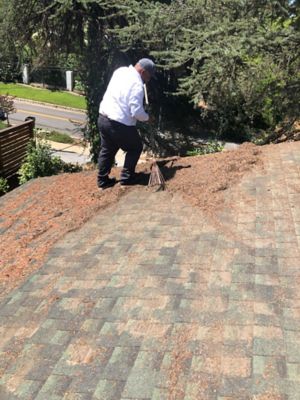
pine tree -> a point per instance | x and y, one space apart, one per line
231 64
236 61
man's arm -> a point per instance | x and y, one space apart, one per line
136 104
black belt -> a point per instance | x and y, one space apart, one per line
111 120
103 116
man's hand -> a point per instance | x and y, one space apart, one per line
151 119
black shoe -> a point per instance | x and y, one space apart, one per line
132 180
127 182
137 178
107 183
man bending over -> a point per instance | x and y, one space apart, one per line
120 109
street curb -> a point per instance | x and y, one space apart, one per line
50 105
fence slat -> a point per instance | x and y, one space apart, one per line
14 163
21 152
5 132
12 139
22 142
13 146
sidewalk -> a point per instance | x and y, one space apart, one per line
151 300
81 155
71 153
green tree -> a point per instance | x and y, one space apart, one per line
69 27
230 65
7 106
239 59
242 59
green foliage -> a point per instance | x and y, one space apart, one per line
209 147
4 187
236 61
70 167
78 85
2 125
7 105
239 58
79 28
60 137
39 162
9 71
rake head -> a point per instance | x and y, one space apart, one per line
156 177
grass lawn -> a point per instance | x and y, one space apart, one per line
56 137
3 125
43 95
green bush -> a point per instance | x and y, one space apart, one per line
212 146
70 167
39 162
3 125
3 186
9 71
78 85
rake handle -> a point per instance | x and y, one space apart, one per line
146 94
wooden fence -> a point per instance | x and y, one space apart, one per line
13 146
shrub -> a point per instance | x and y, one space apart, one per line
78 86
9 71
212 146
3 125
3 186
39 162
70 167
7 105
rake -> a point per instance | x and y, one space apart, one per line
156 177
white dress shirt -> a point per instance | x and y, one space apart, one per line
123 99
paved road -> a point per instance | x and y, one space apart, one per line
49 117
150 300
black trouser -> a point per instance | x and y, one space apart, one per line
115 136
